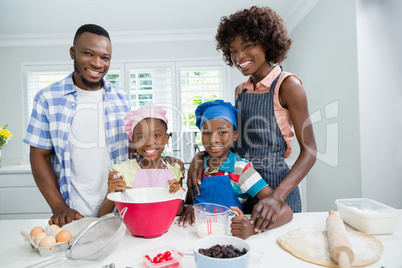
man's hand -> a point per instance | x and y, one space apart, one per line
187 217
47 183
65 216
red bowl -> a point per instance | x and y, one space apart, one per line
151 211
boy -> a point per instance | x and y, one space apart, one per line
227 179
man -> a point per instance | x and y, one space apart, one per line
76 131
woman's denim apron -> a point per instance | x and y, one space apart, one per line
262 143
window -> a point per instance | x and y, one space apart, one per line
178 86
197 82
199 85
150 85
38 77
41 76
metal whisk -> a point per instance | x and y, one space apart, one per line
125 194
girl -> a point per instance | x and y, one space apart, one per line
147 129
272 108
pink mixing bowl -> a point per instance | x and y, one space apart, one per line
151 211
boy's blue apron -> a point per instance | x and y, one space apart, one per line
217 190
262 143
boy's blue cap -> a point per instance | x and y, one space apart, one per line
216 109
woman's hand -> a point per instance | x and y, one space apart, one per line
241 226
115 184
187 217
265 213
194 174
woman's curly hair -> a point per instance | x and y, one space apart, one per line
257 24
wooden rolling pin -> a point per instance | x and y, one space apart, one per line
339 244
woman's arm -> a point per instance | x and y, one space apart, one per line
194 173
292 97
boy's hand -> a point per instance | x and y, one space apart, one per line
174 186
115 184
241 226
187 217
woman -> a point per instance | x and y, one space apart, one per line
272 106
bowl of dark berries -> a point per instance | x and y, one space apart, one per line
222 252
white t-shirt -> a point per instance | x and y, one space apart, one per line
89 152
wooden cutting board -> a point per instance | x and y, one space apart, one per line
311 245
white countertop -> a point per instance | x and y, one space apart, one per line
15 252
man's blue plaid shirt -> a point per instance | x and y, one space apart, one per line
51 120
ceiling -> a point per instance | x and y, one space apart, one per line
38 17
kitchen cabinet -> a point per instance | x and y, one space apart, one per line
19 196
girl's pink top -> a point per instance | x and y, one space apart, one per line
281 114
152 178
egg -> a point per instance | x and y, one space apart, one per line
48 242
40 236
56 228
64 236
36 230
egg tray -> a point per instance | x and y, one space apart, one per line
74 227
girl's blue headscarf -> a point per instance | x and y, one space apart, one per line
216 109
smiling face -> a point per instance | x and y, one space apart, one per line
218 135
91 54
249 58
150 138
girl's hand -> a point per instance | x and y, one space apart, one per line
265 213
174 186
241 226
172 161
115 184
195 173
187 217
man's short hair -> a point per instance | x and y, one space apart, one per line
91 28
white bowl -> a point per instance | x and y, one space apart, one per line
203 261
368 216
147 195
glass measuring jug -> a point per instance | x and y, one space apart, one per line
211 219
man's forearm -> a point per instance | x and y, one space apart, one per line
46 179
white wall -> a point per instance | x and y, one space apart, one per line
347 53
324 56
380 96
